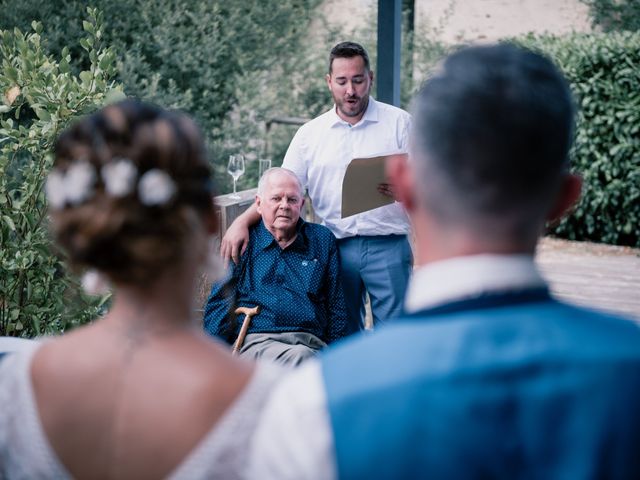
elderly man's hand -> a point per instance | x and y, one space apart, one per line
235 241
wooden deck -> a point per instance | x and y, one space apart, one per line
604 277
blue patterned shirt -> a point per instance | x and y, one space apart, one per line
297 288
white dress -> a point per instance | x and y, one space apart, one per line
25 452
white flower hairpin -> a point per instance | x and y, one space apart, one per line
79 182
119 176
55 189
156 188
94 283
73 186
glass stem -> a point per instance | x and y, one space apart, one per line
234 185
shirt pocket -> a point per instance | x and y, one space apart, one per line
311 279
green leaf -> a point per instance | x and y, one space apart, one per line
9 222
37 26
64 66
42 114
86 77
114 95
12 74
88 26
105 62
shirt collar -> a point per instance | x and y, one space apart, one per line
265 239
468 277
370 115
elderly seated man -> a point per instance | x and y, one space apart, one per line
290 269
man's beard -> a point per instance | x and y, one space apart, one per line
361 105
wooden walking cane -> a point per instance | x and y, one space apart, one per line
248 313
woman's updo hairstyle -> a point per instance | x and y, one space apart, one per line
113 224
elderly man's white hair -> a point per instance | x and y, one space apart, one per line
273 171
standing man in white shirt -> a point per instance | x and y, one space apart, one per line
374 250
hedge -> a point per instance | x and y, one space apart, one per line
604 73
41 96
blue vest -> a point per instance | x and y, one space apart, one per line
504 386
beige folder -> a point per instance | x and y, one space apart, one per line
360 185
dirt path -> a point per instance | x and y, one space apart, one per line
489 20
473 20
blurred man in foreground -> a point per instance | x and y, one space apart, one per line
486 375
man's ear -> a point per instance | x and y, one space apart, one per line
327 77
258 208
568 195
400 175
371 77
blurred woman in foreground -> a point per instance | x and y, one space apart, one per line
143 392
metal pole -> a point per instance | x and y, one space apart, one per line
388 67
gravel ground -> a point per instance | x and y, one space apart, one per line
594 275
550 244
490 20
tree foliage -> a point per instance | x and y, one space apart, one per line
615 15
41 97
231 65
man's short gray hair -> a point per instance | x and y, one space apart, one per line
491 137
273 171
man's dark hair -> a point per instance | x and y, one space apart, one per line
492 132
348 50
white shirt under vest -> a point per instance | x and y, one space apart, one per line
322 149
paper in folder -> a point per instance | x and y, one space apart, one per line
360 185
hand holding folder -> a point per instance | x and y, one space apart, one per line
360 191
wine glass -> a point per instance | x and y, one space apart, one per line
263 165
235 169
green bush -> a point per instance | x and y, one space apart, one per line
615 15
604 73
41 97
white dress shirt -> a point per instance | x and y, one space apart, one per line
322 149
294 439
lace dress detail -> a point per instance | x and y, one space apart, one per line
25 452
